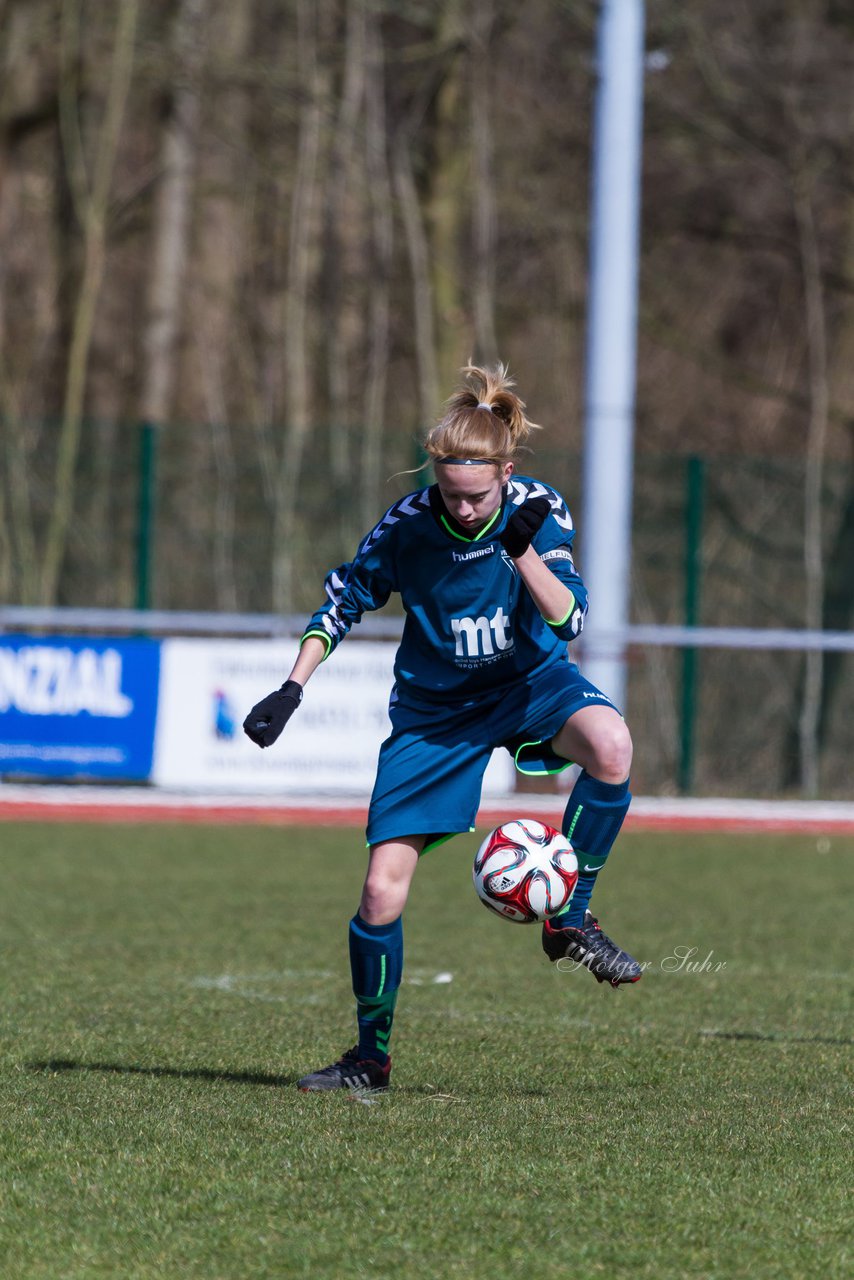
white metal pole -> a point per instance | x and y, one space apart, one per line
605 534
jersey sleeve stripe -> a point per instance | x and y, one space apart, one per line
411 505
520 491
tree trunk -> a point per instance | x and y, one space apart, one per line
18 558
172 216
92 210
422 291
484 215
449 199
302 256
379 186
221 239
27 106
345 251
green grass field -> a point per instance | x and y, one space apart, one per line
164 986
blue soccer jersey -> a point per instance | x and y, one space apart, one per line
471 625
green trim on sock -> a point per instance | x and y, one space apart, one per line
578 813
375 1008
586 861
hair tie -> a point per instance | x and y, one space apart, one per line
481 404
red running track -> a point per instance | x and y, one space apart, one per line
98 804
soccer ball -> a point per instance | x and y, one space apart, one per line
525 871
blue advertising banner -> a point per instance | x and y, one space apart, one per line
78 707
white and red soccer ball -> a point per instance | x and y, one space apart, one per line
525 871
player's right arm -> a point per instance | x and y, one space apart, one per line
268 717
312 651
351 590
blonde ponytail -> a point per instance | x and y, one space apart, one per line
484 421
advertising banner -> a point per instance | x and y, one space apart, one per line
331 745
74 707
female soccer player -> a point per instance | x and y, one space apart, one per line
482 560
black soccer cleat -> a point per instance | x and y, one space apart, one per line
590 947
350 1072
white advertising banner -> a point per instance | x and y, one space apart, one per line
331 745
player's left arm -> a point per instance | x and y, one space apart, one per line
546 566
562 607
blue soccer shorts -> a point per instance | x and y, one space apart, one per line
431 767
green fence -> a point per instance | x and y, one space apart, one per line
173 523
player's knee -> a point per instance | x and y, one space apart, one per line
612 754
383 898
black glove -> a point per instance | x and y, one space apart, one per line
268 717
522 525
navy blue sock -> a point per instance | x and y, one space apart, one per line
376 963
591 823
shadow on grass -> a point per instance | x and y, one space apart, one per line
56 1066
775 1038
53 1066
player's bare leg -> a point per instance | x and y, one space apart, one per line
390 870
597 739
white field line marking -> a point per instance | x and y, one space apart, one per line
423 978
246 986
255 986
225 981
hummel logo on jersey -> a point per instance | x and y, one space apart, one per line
482 636
477 554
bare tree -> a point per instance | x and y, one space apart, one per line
221 239
27 111
171 230
91 204
449 198
379 187
344 246
303 247
422 290
484 213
